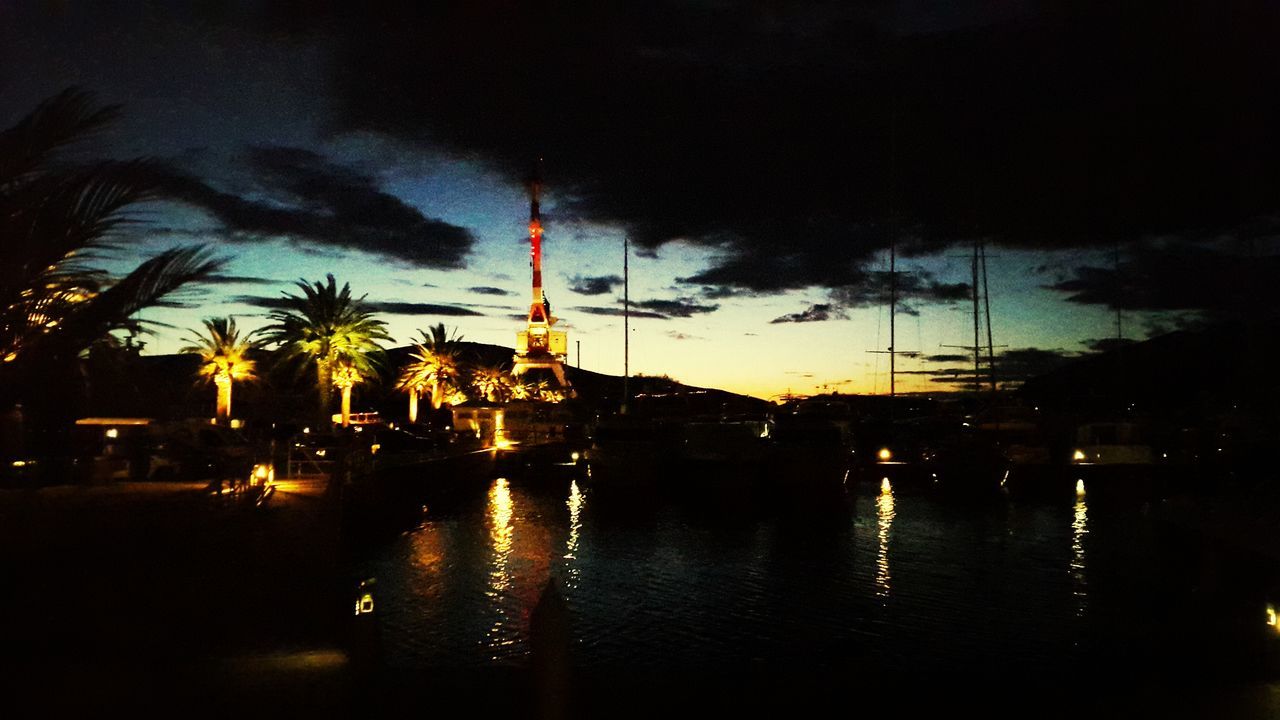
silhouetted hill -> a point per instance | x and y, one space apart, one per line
1217 369
165 387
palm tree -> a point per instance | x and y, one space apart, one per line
433 363
56 221
525 388
224 358
491 383
336 331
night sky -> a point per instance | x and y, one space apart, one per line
759 156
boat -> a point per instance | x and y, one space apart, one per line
629 452
726 452
1113 443
813 445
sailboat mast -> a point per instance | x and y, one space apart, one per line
626 322
977 346
893 307
986 303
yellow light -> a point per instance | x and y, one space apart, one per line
320 452
19 463
365 605
237 424
374 448
575 455
1078 456
306 431
885 486
261 471
1271 617
113 433
1080 487
884 454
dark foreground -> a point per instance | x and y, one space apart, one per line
163 597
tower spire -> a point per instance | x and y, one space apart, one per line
539 347
538 311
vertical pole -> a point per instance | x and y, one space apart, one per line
626 322
579 353
986 301
1119 298
977 344
893 307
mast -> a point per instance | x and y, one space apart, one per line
626 322
893 307
977 345
986 302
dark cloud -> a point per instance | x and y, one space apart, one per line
1104 345
597 285
815 313
765 131
1012 367
389 307
713 292
486 290
914 287
1021 364
240 280
618 312
679 307
300 195
1218 279
415 308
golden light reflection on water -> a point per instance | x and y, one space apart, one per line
1079 528
499 514
429 545
575 502
884 523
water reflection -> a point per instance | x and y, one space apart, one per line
428 552
499 513
1079 528
884 523
575 503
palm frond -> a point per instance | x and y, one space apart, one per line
326 325
54 224
149 283
70 116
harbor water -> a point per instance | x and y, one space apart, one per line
871 583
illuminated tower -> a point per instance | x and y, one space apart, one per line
540 347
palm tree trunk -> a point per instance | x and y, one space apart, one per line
324 383
437 395
346 406
223 410
413 405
